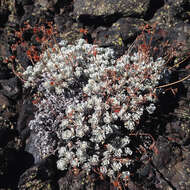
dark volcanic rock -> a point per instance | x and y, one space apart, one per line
121 32
103 8
12 165
4 13
10 88
40 176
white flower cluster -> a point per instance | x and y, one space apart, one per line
91 103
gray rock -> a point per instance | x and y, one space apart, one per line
10 87
110 7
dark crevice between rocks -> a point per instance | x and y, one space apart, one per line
162 176
19 9
66 5
95 21
183 13
45 172
5 72
6 135
130 40
25 2
48 168
153 7
17 162
4 14
168 102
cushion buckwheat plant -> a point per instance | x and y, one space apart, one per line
90 103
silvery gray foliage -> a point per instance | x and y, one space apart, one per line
90 103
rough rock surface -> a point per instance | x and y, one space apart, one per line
110 7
